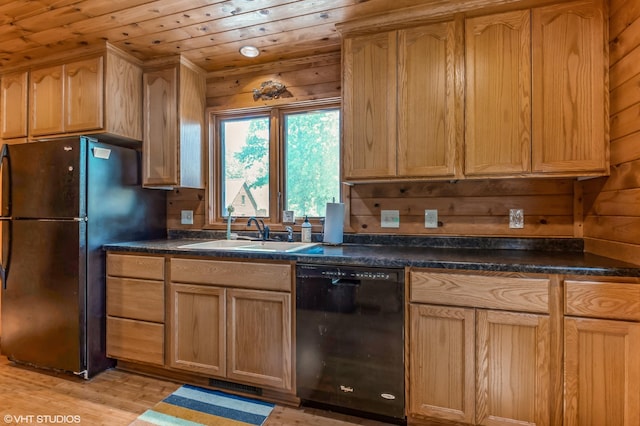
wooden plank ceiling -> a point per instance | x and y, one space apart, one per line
208 32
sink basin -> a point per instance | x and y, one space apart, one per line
243 245
217 244
276 246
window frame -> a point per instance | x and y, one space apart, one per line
277 152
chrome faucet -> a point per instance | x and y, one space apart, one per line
289 234
263 230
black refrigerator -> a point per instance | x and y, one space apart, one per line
61 201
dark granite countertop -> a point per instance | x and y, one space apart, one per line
445 256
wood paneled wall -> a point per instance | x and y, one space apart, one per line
468 207
317 77
612 205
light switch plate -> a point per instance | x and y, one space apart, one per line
390 219
516 218
186 217
431 218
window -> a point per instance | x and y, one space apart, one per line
312 167
269 160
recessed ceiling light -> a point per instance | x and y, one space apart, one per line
249 51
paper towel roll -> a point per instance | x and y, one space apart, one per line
334 223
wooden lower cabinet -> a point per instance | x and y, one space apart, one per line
478 362
218 328
513 364
135 308
602 372
197 329
442 360
259 337
601 352
505 352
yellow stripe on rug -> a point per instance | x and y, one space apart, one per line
195 416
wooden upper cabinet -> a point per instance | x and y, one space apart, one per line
498 90
13 105
84 95
70 98
46 101
369 102
160 130
399 102
174 103
570 93
427 131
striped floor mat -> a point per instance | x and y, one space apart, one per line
191 405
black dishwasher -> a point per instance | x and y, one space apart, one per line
349 338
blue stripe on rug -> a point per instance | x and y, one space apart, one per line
220 404
215 410
225 400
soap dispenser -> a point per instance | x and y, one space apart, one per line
305 236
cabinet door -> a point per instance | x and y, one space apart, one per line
197 328
160 139
426 106
498 90
259 338
602 372
369 106
84 99
570 92
513 362
14 105
46 101
441 362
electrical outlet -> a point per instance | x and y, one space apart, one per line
186 217
516 218
390 219
431 218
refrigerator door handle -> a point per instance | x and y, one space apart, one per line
6 257
5 170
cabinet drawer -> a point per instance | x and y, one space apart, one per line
135 340
481 291
135 299
265 276
602 300
127 265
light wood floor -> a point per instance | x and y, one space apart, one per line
113 398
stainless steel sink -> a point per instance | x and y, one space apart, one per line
243 245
